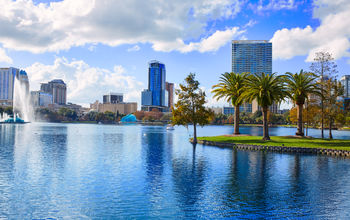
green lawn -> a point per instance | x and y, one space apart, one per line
286 141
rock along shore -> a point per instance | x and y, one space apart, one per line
281 149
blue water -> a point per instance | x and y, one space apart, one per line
78 171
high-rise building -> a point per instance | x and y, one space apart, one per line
58 89
345 81
113 98
156 96
7 83
170 88
252 56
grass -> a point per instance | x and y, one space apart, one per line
283 141
260 125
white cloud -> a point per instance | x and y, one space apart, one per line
250 23
4 57
264 6
274 5
134 48
332 35
209 44
85 84
61 25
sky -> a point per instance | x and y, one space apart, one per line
101 46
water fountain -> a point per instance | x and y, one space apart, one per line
22 108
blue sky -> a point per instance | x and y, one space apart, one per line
98 46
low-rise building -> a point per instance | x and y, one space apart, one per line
41 99
123 108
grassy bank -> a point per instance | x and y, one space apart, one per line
283 141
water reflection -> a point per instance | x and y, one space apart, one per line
104 172
188 177
153 144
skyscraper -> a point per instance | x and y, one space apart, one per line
345 81
58 89
170 88
7 83
156 96
252 56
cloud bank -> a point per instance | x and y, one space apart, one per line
85 84
332 35
166 25
4 57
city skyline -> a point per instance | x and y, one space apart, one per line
115 56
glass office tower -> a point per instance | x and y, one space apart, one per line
156 82
7 83
252 56
156 96
345 81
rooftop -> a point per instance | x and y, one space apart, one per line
249 41
60 81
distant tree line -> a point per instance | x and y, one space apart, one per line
153 116
69 115
252 118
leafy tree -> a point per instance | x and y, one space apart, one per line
300 86
266 89
333 90
190 106
231 87
109 116
139 115
324 67
90 116
68 113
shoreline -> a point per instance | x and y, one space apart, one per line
341 153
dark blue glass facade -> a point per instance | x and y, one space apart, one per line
252 56
156 82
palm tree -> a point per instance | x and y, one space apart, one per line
231 88
299 87
266 89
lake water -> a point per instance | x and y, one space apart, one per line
78 171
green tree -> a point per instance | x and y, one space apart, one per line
300 86
68 113
324 67
266 89
190 108
231 87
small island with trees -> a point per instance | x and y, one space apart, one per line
314 95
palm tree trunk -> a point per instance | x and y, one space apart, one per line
265 124
236 120
300 131
194 133
330 129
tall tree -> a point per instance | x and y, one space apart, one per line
333 90
190 108
231 87
325 68
300 86
266 89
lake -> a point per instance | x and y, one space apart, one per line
89 171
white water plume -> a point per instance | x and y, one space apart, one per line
4 117
21 101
